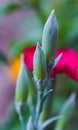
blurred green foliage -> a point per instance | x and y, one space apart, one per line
31 29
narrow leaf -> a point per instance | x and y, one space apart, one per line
49 121
66 111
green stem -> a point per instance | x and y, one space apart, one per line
22 123
40 95
20 109
47 108
48 104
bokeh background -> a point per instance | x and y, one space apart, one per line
21 25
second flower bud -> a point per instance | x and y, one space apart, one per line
39 64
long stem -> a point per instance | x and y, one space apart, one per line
22 123
20 107
47 108
40 94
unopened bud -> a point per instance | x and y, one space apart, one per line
21 85
49 38
40 69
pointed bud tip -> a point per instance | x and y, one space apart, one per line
51 15
53 11
38 45
22 60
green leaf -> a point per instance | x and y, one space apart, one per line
66 111
50 120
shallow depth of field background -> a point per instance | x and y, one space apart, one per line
21 25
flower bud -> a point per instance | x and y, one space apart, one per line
49 38
39 64
22 85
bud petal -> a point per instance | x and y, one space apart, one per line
40 69
49 38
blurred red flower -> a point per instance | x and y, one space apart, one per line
28 57
68 63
